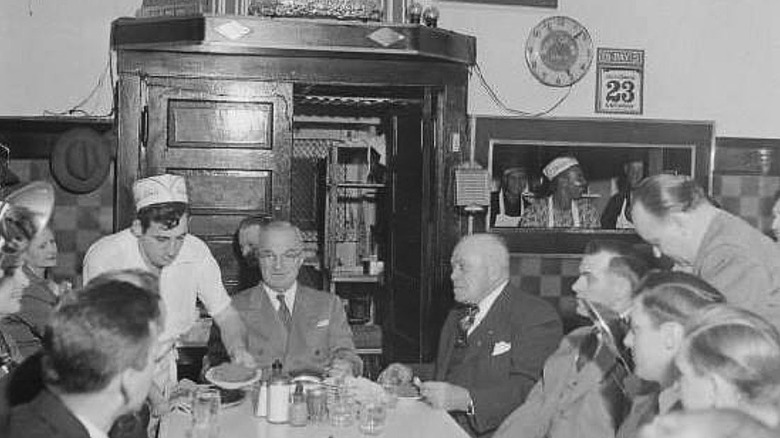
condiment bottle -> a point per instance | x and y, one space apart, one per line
299 413
261 398
278 395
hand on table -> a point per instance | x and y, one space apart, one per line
443 395
242 357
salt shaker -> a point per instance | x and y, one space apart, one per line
278 396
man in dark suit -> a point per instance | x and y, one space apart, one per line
305 329
492 349
99 353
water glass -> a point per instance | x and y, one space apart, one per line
205 414
373 415
316 403
340 409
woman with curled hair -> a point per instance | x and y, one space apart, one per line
731 359
663 304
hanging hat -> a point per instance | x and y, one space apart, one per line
159 189
558 166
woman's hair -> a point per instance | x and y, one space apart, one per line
674 296
739 346
663 193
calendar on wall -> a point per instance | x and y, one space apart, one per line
620 81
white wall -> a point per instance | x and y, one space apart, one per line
52 59
705 59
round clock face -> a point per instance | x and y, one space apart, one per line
559 51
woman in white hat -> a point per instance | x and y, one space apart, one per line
565 206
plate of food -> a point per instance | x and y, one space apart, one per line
232 376
408 391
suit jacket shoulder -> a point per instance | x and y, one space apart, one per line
45 417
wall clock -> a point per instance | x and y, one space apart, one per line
559 51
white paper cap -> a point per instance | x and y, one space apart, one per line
159 189
558 166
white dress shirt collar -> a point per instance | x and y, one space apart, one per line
92 430
289 296
485 304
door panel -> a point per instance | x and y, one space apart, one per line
232 142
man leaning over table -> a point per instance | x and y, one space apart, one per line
486 365
158 241
305 329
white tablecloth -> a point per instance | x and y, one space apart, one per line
409 419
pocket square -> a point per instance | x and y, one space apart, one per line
323 323
501 348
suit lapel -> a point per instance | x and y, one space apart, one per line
492 328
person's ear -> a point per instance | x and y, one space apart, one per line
136 228
673 335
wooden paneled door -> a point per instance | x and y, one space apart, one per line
232 141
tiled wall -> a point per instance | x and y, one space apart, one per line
748 196
78 220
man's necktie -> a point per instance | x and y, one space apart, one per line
284 312
465 323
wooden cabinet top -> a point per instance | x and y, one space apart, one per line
243 35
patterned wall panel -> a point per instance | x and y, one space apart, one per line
78 220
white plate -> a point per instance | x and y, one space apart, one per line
231 385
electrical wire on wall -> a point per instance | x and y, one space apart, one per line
500 103
78 109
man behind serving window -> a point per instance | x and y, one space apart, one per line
158 241
99 354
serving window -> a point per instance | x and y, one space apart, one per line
610 154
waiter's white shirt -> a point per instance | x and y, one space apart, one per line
194 274
485 305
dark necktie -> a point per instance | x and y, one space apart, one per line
465 323
284 312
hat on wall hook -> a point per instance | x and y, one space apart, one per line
81 160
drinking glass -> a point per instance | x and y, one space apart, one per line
340 407
205 414
373 415
316 402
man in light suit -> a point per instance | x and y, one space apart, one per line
305 329
581 391
490 357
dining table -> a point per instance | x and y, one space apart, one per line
408 419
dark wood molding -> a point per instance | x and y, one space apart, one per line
36 137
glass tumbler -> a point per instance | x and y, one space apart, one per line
205 414
373 415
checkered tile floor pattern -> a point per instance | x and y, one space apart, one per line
748 196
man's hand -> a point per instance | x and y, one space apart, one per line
341 368
242 357
443 395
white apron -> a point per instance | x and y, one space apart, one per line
504 220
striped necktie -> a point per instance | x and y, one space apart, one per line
284 312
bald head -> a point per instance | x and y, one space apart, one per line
480 263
